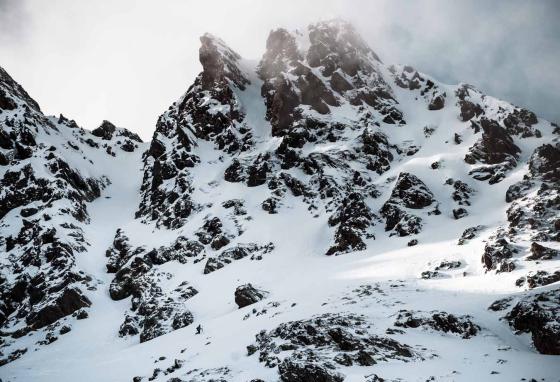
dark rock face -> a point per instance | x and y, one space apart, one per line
219 63
459 213
437 103
22 187
439 321
469 109
13 356
119 253
407 77
6 102
281 50
257 172
470 233
39 282
314 348
497 254
218 119
532 215
353 218
496 150
346 63
539 315
339 83
475 107
279 93
376 147
12 91
67 303
537 215
294 371
123 138
518 190
154 311
540 252
315 93
545 162
520 122
233 173
246 295
240 251
212 233
400 221
105 130
409 192
537 279
496 146
462 192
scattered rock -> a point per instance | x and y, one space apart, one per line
320 343
439 321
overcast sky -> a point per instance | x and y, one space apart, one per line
128 60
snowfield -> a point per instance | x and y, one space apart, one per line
379 282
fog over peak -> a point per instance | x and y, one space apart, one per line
127 61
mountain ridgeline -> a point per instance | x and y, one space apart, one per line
325 206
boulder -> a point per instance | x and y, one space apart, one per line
247 295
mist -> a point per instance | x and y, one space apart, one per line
127 61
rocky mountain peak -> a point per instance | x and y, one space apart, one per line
281 51
336 44
219 62
12 94
325 66
301 219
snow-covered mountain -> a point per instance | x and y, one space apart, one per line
317 215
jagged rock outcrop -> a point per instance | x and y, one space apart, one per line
154 310
377 148
43 202
498 253
294 371
126 140
496 150
538 279
540 252
439 321
407 77
345 63
537 314
210 111
469 234
353 220
409 193
536 199
317 347
475 106
461 195
238 252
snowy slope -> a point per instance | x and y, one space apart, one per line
341 188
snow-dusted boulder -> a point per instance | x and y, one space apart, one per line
247 294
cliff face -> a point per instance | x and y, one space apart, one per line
317 207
